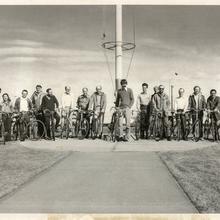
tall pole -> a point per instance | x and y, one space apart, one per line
118 50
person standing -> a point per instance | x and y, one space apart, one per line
124 100
50 106
161 104
197 105
98 104
36 99
83 100
67 100
23 105
6 107
180 107
143 106
213 104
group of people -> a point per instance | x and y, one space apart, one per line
147 104
43 104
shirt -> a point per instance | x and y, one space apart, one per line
6 107
66 101
180 103
197 100
143 99
23 104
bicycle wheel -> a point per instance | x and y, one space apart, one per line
179 131
33 130
15 132
137 129
214 131
2 132
160 128
84 128
52 128
206 129
94 128
187 129
67 128
23 129
197 131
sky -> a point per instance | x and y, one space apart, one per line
57 46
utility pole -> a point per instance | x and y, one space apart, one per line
118 50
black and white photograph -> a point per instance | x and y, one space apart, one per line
110 109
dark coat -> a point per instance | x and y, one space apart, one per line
192 102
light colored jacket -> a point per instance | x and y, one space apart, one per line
161 102
93 103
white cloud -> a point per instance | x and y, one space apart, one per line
25 43
53 54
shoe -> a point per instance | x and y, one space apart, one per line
157 139
169 138
121 139
125 140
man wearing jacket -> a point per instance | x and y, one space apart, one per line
50 105
197 105
213 104
36 99
98 103
124 100
23 105
161 103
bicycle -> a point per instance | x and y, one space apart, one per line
82 126
51 127
177 128
96 122
156 126
114 125
19 126
33 128
210 126
65 123
137 124
2 127
194 127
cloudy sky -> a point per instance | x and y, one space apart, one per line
61 45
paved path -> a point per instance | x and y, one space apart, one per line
102 182
88 145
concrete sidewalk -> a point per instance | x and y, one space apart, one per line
102 182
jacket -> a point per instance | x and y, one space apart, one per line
18 102
213 104
161 102
201 102
36 99
125 98
83 102
93 103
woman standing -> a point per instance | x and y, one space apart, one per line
7 107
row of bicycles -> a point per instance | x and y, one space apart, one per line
75 123
193 128
82 124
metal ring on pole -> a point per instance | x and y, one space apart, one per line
111 45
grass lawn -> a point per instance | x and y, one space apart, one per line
19 164
198 173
